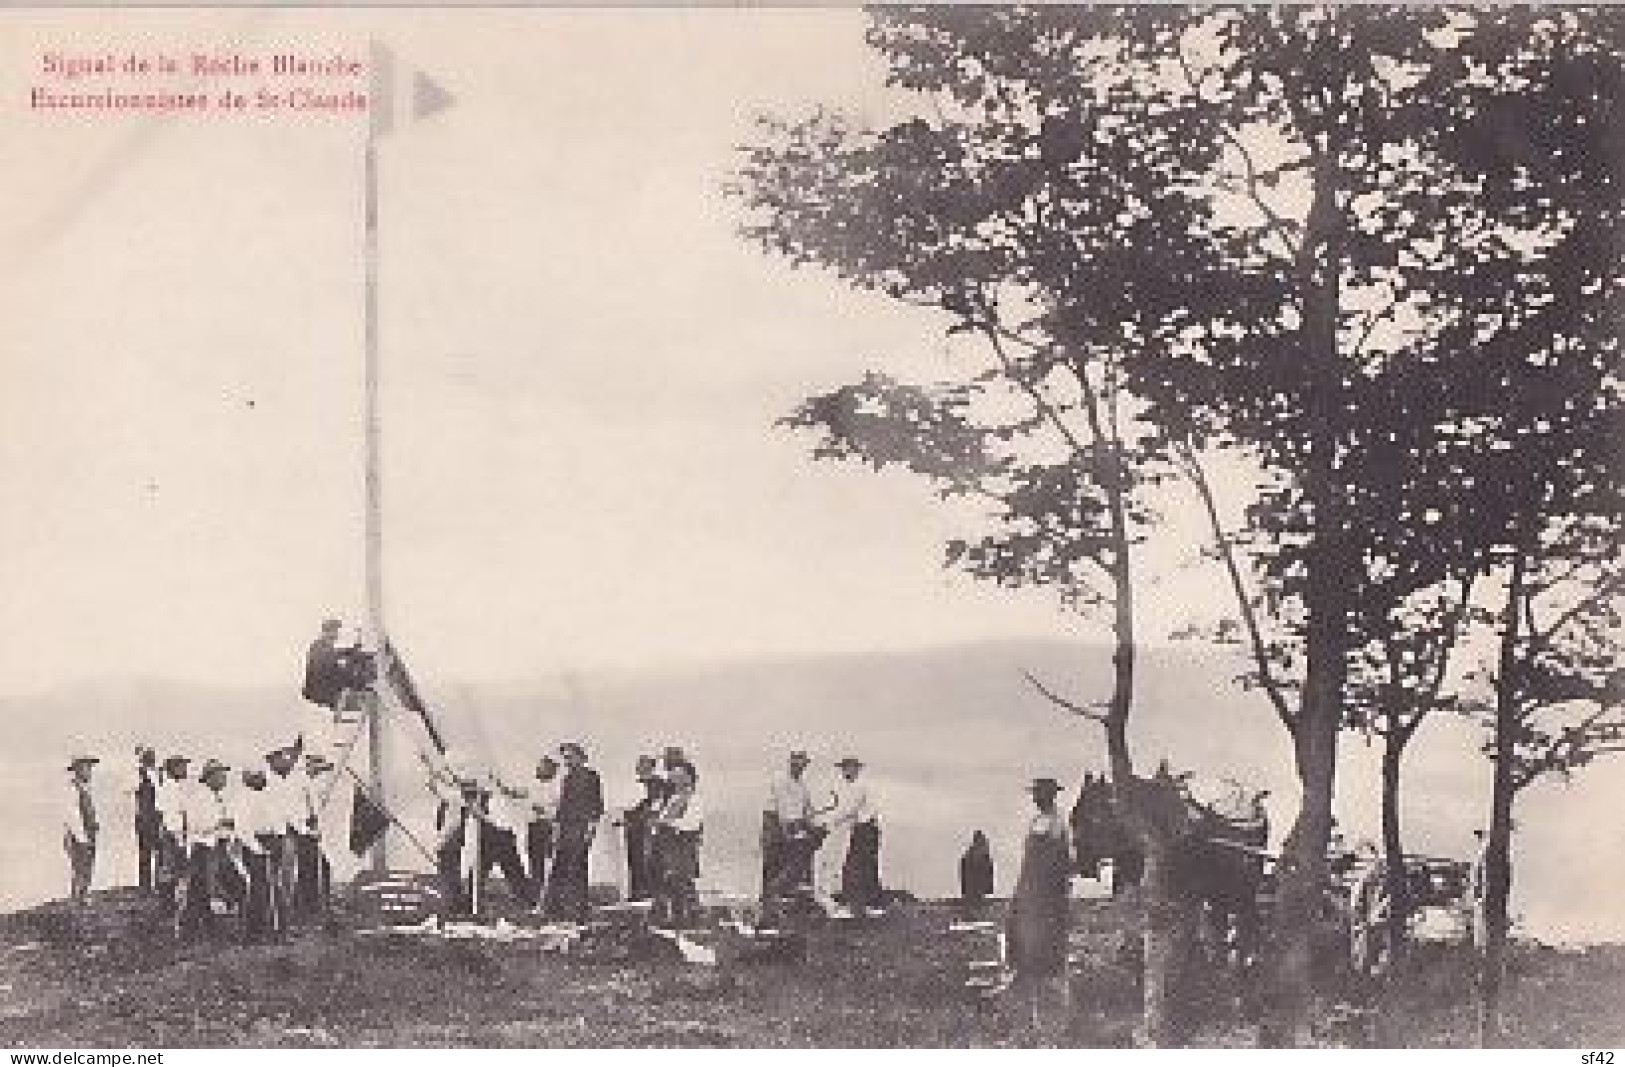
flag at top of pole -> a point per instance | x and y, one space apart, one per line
427 97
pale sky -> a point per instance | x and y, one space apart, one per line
583 363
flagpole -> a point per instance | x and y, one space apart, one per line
374 497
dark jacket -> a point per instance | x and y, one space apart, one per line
324 672
581 796
147 822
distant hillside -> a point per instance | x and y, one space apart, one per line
951 736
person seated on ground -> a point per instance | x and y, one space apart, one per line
678 831
976 874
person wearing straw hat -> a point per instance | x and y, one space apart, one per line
1035 927
849 806
80 828
209 823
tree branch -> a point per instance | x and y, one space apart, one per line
1255 635
1061 701
1289 232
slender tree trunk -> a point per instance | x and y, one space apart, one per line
1166 935
1498 843
1393 851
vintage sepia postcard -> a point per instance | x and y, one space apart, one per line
776 527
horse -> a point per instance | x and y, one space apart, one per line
1218 862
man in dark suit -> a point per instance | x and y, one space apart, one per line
325 675
581 805
148 826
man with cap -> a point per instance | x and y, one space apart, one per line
148 827
788 840
324 667
581 805
850 806
80 828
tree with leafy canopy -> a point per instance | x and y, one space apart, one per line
1253 218
983 217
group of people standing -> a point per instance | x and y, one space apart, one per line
541 835
207 846
829 851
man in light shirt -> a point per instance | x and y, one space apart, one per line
210 823
787 833
261 830
80 828
509 818
850 806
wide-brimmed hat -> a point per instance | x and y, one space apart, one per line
177 760
253 774
1045 786
212 765
315 761
849 761
82 759
800 754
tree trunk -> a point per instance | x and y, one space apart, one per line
1166 940
1329 562
1166 935
1397 886
1497 873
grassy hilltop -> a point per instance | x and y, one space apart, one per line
112 977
